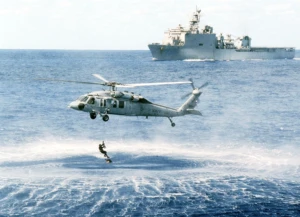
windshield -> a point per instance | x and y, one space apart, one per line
82 98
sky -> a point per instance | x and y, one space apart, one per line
133 24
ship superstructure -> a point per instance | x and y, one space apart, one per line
191 43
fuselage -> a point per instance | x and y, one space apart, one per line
102 102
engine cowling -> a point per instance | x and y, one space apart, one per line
127 96
116 94
131 97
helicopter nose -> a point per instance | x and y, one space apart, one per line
76 106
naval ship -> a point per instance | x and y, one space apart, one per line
191 43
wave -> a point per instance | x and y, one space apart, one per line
142 195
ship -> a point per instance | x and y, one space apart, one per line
191 43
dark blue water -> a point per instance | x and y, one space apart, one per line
241 158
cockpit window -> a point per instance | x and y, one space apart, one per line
91 100
82 98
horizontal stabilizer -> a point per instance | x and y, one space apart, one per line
193 112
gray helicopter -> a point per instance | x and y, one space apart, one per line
114 102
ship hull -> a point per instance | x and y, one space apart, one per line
168 52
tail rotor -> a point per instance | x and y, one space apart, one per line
203 85
194 88
192 83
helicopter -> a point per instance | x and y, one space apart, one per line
114 102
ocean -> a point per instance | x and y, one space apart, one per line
241 158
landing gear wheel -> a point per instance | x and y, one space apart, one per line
93 115
172 123
105 118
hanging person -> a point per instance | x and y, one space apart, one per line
101 149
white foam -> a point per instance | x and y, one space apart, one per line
223 158
45 149
198 60
240 153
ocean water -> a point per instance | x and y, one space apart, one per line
241 158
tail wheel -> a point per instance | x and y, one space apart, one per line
93 115
105 118
172 123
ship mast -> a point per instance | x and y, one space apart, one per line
194 22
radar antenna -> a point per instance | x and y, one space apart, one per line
194 22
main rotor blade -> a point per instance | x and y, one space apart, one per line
100 77
79 82
158 83
115 84
203 85
124 85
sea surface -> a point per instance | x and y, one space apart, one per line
241 158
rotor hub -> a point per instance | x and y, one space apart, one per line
196 91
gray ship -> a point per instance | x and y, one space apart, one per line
181 44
